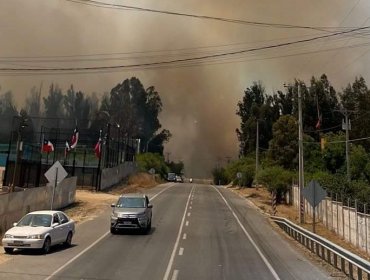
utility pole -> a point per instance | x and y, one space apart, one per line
168 157
347 126
300 155
257 154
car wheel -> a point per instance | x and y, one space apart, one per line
113 230
68 241
47 244
8 250
148 227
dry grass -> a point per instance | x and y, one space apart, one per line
262 199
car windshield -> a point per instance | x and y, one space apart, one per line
131 202
35 220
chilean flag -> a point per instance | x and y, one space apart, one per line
47 146
97 148
74 138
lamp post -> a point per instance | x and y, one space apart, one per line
22 124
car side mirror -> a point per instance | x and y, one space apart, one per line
54 225
150 206
113 205
15 224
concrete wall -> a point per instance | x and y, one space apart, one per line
15 205
114 175
345 221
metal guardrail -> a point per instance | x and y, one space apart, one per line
352 265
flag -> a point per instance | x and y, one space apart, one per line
97 148
74 138
47 146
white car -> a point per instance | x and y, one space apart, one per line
39 230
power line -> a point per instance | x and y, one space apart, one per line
175 61
229 20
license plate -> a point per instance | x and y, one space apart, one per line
18 242
127 223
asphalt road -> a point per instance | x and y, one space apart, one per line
198 232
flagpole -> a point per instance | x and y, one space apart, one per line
98 175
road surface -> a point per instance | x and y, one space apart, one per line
198 232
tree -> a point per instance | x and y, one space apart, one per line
283 147
7 112
248 111
54 106
77 107
277 180
334 153
356 99
136 110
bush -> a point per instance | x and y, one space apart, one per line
149 160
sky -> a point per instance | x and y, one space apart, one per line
200 97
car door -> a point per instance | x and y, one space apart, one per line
65 225
57 230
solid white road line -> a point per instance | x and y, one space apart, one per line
184 236
267 263
175 274
93 244
170 263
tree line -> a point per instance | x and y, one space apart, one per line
129 107
324 138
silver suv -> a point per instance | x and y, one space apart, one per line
132 211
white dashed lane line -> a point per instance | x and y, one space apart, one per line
189 214
187 223
184 236
181 251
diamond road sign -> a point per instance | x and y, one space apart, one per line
56 171
314 193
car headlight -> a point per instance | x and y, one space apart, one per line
36 236
8 236
141 216
114 215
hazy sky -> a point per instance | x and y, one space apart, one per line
199 99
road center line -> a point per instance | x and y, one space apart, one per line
93 244
181 251
187 223
184 236
189 214
170 263
267 263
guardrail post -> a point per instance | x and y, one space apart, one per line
366 217
342 265
317 249
335 260
359 273
350 270
328 256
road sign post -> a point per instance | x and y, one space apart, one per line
314 194
55 175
